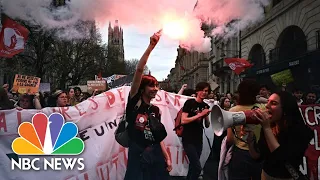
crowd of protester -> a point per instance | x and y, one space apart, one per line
270 150
57 98
255 151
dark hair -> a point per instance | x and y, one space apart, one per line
77 88
30 98
147 80
201 85
291 116
230 94
71 88
311 92
188 92
222 102
248 90
264 86
290 108
296 90
5 103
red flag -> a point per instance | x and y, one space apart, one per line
238 65
13 37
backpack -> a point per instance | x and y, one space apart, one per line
122 133
178 127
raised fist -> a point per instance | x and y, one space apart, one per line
154 39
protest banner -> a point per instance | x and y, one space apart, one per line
97 118
26 84
311 161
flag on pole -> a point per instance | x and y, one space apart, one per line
13 37
238 65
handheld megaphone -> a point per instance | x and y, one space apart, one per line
222 120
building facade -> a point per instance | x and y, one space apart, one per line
288 39
219 71
190 68
115 40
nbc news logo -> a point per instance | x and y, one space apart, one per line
49 137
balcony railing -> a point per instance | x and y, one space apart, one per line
258 60
219 67
287 52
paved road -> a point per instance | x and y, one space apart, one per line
210 171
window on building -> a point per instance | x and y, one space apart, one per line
318 39
275 2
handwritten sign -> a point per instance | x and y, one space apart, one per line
99 85
26 84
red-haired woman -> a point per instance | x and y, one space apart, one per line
146 159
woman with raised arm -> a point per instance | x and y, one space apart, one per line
146 158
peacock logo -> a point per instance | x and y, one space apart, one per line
48 136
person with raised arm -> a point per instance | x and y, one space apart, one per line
147 159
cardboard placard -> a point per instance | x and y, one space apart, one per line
99 85
44 87
26 84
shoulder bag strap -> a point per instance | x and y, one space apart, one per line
296 175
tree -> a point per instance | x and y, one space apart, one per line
131 66
77 61
38 51
62 62
114 65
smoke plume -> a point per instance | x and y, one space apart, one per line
226 17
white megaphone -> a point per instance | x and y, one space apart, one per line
222 120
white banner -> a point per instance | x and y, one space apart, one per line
97 118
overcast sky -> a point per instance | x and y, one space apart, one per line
162 58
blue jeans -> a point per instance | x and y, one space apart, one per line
193 152
146 164
243 167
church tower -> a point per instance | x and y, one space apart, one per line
115 40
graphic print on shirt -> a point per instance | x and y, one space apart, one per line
198 110
142 125
141 121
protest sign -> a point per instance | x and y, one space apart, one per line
311 161
99 85
26 84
